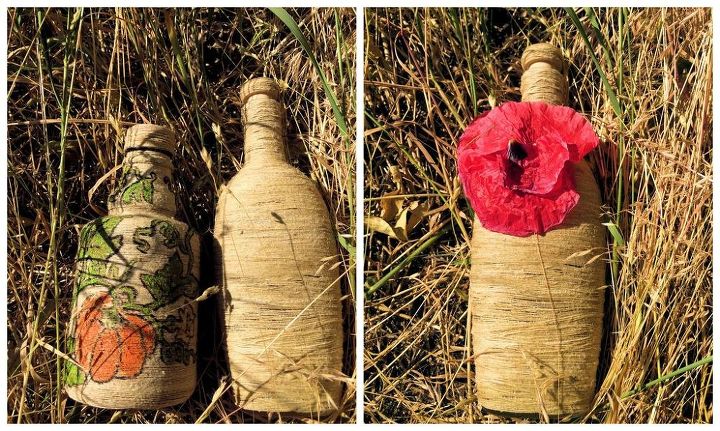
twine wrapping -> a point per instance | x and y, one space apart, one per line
133 331
278 267
544 78
537 302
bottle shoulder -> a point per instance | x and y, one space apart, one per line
280 192
129 220
253 175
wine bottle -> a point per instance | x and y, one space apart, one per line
278 266
133 329
537 301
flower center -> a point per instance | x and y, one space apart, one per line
515 154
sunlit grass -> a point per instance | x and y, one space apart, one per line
643 77
77 79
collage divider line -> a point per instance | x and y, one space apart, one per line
359 209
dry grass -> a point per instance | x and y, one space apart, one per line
77 79
428 73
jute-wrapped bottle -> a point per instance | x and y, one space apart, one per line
278 255
537 301
133 331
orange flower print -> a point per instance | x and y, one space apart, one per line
111 342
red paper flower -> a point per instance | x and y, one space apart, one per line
516 165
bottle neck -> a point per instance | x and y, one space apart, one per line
145 185
544 78
264 123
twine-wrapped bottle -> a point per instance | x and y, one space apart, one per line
278 256
133 330
537 302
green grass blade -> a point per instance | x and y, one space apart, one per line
615 232
608 88
390 274
669 376
595 24
295 30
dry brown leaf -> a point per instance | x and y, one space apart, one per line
417 214
389 206
401 225
379 225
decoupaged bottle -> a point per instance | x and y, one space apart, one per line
277 260
133 329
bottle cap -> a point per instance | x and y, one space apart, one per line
150 137
267 86
544 53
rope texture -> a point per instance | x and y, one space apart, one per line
537 302
278 265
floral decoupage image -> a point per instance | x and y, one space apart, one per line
538 215
181 215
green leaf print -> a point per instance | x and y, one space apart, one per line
97 240
140 190
97 245
72 374
168 232
134 187
168 283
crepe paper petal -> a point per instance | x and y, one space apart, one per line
516 165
